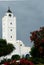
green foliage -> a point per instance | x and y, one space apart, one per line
39 64
34 52
37 51
41 60
15 57
5 48
37 37
34 60
8 60
3 43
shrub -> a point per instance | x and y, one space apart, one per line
37 37
25 62
5 48
41 60
35 60
15 57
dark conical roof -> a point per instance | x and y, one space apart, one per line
9 11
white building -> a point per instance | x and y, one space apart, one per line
9 27
9 33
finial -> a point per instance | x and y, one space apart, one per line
9 10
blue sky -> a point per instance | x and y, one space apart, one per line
29 17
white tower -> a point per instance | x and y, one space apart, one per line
9 27
9 33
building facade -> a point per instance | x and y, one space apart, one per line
9 27
9 33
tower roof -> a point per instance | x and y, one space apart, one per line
9 11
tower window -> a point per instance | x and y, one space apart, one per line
10 15
11 23
11 36
10 29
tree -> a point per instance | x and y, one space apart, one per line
37 37
5 48
15 57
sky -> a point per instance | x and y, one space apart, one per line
29 17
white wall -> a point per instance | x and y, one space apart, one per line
20 48
9 23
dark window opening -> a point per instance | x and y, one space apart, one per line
11 36
10 15
11 30
11 23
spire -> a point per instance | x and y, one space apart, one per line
9 11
